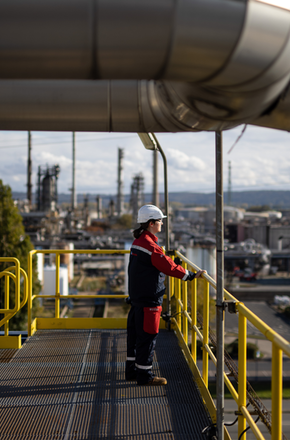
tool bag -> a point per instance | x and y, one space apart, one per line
151 319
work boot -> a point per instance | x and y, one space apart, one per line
131 376
130 370
157 381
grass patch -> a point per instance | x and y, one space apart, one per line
262 389
92 284
118 309
74 281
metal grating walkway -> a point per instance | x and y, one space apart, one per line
69 384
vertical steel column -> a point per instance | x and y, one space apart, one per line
166 203
73 190
120 195
220 285
155 178
39 202
29 171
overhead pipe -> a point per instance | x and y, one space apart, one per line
184 65
187 40
114 106
77 105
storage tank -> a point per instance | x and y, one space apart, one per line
40 267
203 257
49 280
67 259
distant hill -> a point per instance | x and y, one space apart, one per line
274 199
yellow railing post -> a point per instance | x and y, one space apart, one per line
17 283
184 317
6 304
242 361
57 289
193 317
29 305
205 331
277 388
178 298
171 280
7 341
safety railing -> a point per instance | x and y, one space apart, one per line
7 341
186 324
57 321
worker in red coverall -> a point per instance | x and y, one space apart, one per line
148 266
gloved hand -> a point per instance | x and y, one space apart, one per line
177 260
192 275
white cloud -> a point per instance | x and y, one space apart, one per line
181 160
260 160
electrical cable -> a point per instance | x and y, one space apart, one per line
37 144
239 137
232 423
166 317
245 430
235 421
262 411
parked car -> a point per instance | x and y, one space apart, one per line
245 274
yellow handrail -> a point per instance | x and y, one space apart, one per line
57 296
279 346
7 311
185 295
6 341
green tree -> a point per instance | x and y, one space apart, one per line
14 243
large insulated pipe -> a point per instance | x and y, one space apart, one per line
117 106
213 64
188 40
76 105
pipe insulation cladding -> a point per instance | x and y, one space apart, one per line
151 65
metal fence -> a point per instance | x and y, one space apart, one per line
8 341
189 327
187 317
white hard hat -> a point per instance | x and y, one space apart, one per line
149 212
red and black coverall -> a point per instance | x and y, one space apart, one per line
147 269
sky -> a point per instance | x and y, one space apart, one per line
259 161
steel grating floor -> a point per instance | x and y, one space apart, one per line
69 384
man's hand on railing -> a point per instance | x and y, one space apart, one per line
192 275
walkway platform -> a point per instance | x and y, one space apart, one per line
69 384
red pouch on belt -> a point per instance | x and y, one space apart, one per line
151 319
